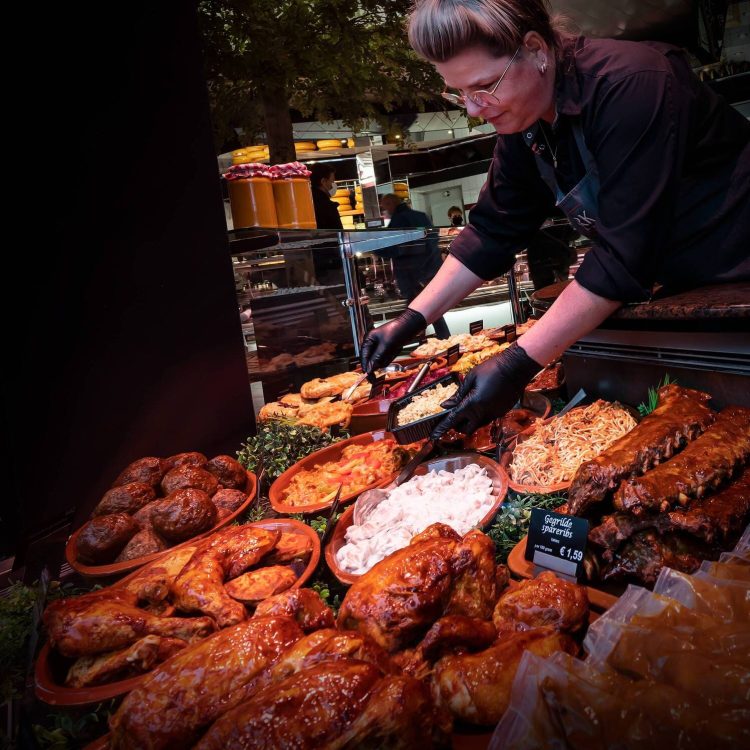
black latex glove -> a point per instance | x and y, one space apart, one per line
488 391
382 344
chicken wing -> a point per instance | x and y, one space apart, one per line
303 605
542 601
108 620
290 547
118 665
180 698
152 583
476 687
257 585
200 585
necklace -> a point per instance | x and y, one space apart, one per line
551 150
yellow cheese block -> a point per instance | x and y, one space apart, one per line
349 212
329 143
305 146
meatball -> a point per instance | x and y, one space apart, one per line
189 476
127 498
191 458
227 501
230 472
149 470
145 542
143 516
104 537
183 514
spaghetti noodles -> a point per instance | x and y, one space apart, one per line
555 450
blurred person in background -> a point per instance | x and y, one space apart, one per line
416 263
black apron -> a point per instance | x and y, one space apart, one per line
581 204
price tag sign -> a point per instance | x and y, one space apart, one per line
476 326
510 333
452 354
557 541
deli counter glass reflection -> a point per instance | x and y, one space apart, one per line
307 298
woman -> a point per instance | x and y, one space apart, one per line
621 136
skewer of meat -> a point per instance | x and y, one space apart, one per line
704 464
680 416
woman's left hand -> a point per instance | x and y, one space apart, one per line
488 391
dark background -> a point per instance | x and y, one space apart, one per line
122 335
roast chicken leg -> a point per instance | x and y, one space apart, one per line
109 620
176 701
330 706
200 585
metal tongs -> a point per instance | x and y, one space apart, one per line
331 521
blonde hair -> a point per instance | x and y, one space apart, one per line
440 29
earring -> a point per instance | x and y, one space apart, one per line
543 67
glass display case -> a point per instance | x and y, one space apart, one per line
306 299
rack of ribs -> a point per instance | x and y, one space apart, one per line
720 517
680 416
644 555
703 465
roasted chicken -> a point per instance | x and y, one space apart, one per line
342 704
178 700
401 597
200 585
108 620
137 659
476 687
542 601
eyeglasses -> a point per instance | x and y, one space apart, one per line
480 98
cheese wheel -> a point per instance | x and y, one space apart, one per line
329 143
256 149
359 208
348 212
305 146
342 200
342 193
400 186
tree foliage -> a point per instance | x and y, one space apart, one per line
328 59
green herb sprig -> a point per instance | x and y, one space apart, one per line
512 521
653 397
280 443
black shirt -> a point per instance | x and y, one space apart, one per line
326 210
674 168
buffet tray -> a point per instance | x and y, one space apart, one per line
449 463
329 453
113 569
49 664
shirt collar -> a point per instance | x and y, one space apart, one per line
567 86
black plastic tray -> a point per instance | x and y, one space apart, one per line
410 433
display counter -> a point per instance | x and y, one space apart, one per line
307 298
700 337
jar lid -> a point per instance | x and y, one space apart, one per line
293 169
244 171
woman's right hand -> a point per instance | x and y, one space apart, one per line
383 343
